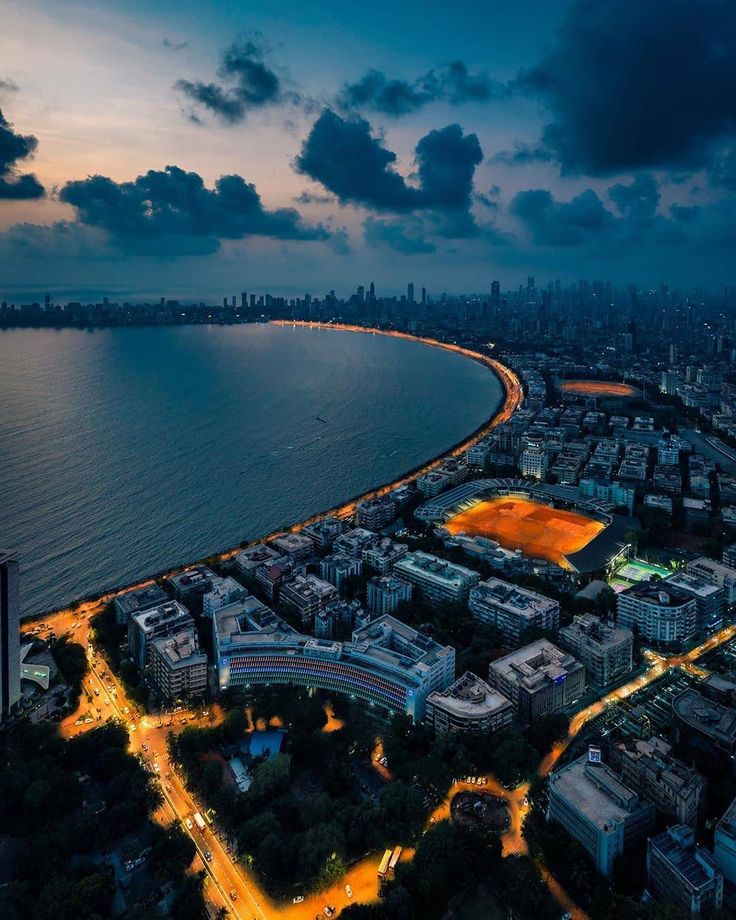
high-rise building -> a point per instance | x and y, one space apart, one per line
469 705
9 633
604 648
410 292
676 789
659 613
539 679
598 810
683 874
495 294
511 609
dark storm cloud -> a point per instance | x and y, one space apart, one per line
635 224
554 223
522 154
446 161
14 148
453 83
635 85
246 83
405 235
171 212
343 155
722 172
638 200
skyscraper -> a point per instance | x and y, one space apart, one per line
9 633
410 292
496 294
372 294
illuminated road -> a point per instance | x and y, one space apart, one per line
64 620
225 873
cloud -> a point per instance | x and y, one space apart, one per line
173 45
339 242
171 212
722 171
522 154
638 200
313 198
350 162
637 225
8 86
554 223
246 83
405 235
634 85
452 83
13 148
344 157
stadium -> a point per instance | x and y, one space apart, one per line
552 523
596 388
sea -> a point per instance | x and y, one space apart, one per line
127 451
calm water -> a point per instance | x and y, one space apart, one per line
127 451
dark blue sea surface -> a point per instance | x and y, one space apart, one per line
127 451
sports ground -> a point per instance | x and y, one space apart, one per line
597 388
538 530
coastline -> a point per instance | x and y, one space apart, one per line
513 397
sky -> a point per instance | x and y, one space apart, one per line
194 149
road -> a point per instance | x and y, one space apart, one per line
148 738
718 452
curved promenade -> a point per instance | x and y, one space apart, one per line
513 397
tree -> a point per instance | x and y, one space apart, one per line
271 777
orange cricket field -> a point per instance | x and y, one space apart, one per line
536 529
597 388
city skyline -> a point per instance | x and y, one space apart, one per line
400 154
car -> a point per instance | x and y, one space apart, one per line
189 823
182 721
167 787
328 910
144 746
156 768
298 899
348 891
233 896
208 855
132 726
97 691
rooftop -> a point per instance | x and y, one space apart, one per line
596 792
519 601
180 649
440 569
150 596
535 663
695 866
191 578
470 696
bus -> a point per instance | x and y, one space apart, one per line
383 867
199 821
393 862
